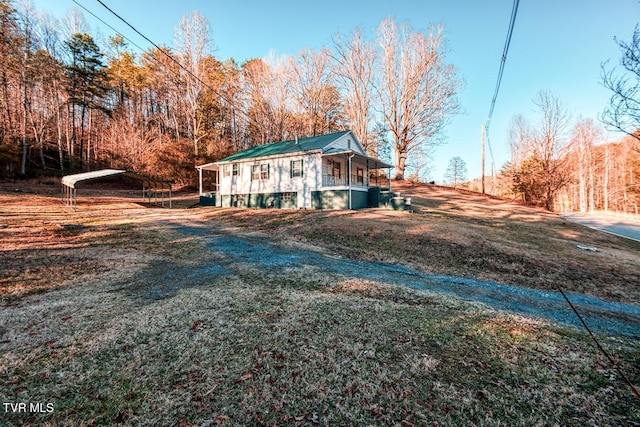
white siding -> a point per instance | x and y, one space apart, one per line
345 142
279 180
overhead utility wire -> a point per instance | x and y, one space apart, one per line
514 12
168 55
113 29
615 366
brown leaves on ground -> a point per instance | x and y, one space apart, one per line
463 234
284 350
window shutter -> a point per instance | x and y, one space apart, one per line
302 168
291 169
268 170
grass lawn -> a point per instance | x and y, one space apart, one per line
113 316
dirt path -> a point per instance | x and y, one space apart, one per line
230 249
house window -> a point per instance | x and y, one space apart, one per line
237 200
228 170
360 175
296 168
260 172
285 197
334 169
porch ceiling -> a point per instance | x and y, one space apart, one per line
209 167
372 161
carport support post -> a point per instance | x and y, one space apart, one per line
200 179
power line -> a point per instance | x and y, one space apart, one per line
167 54
614 365
113 29
514 12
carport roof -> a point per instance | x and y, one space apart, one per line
72 180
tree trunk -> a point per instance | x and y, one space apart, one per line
88 158
401 161
592 187
23 164
81 142
54 95
60 149
582 185
7 110
606 179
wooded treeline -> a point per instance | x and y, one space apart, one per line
571 167
568 166
68 104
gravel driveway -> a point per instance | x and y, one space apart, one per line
605 317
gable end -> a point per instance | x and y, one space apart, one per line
348 141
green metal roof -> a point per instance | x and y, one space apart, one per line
285 147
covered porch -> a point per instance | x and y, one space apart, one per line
351 180
352 170
209 197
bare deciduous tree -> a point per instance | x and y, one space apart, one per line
309 73
623 112
354 68
584 137
418 90
520 139
542 173
269 99
456 172
550 139
193 43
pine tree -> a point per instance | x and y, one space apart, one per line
87 83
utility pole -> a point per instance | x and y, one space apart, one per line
482 131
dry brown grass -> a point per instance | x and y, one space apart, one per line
125 334
465 235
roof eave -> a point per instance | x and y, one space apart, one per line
373 159
269 157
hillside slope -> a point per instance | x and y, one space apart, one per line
127 314
464 234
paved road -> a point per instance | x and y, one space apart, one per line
610 224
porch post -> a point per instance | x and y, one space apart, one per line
349 171
200 180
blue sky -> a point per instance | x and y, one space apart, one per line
557 45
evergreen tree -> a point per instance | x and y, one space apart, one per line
87 84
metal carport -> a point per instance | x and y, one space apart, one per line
150 186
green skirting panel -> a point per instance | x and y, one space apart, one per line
262 200
208 199
359 199
338 199
329 199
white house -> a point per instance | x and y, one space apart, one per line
322 172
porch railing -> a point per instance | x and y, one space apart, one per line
334 181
